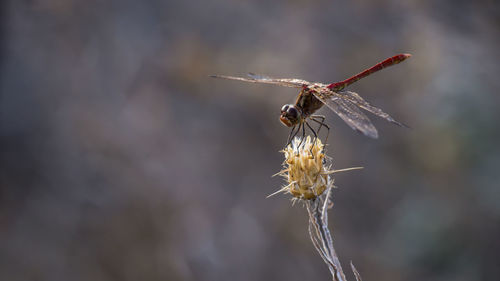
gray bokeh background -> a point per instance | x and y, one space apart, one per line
122 160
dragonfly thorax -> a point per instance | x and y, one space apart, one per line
290 115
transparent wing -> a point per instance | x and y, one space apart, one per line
349 112
359 101
254 78
288 82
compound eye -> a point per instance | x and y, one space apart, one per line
285 108
292 112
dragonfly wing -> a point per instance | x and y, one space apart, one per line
253 78
235 78
359 101
350 113
287 82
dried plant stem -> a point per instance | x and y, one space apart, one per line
321 237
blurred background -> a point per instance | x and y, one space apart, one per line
122 160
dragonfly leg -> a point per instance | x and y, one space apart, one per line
312 117
315 138
290 136
321 124
303 133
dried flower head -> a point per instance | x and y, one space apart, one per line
307 169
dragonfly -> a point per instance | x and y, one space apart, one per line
346 104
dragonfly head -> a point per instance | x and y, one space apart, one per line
290 115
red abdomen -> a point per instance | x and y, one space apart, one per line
379 66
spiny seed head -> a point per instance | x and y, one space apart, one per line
305 169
